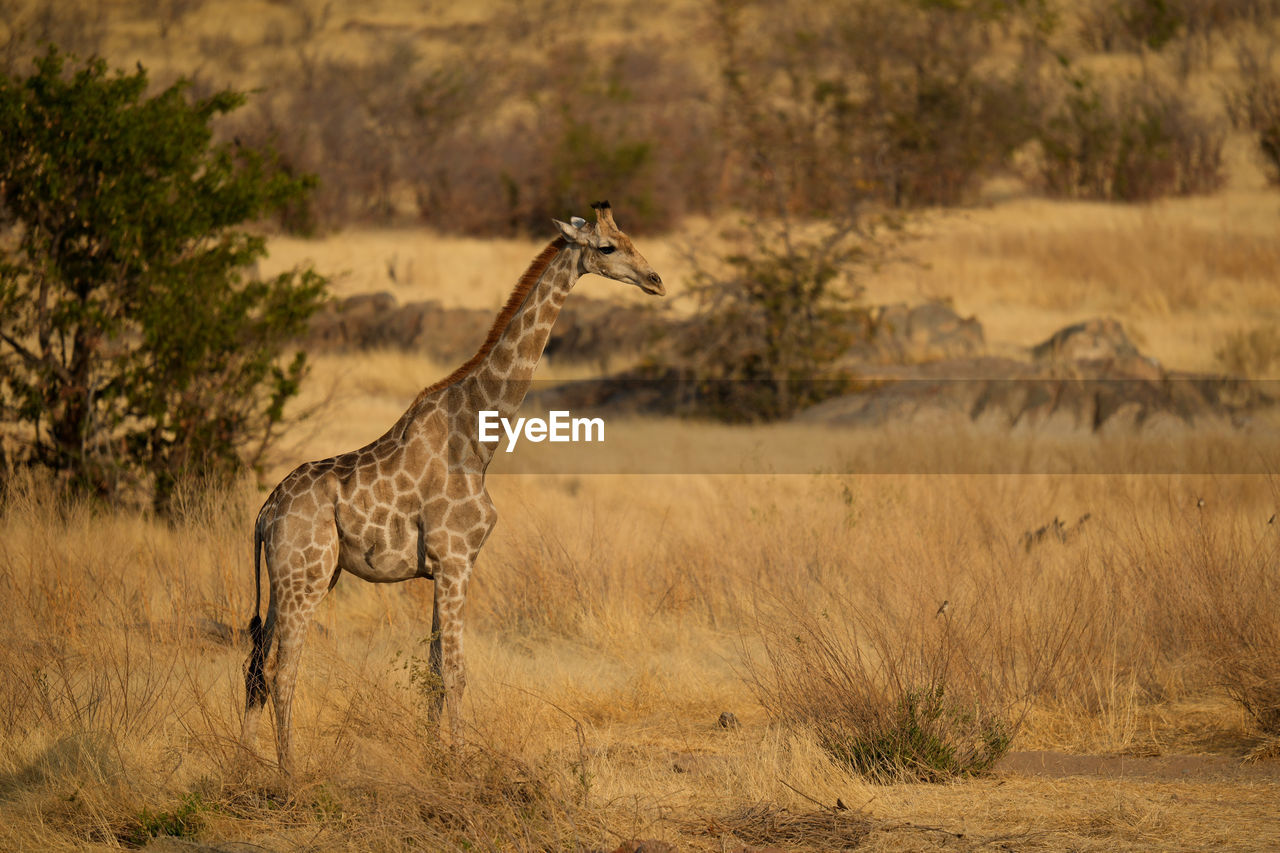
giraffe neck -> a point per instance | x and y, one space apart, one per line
502 378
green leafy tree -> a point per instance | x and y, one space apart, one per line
136 346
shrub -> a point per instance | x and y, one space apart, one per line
1251 353
371 130
1152 23
926 736
943 132
1137 141
31 24
132 345
185 821
1252 678
1254 105
772 320
936 116
493 143
1120 25
869 99
1236 615
634 120
628 124
913 697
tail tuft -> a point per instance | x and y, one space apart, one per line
255 682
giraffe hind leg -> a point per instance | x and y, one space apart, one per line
282 672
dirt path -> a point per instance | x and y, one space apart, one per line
1165 767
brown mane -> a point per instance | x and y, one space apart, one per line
517 298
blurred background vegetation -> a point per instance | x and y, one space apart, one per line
814 127
616 617
489 118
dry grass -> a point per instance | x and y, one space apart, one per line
608 623
1186 277
614 617
1183 275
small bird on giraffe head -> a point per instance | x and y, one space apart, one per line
946 605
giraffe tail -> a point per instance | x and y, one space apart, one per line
255 682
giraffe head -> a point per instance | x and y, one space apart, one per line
609 252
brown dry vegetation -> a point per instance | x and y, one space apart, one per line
613 618
1186 276
486 118
611 621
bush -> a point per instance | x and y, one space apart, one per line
372 129
1129 25
1252 678
1114 25
862 99
32 24
1137 141
1251 353
185 821
493 143
928 736
133 347
1236 614
772 320
919 698
1254 105
936 116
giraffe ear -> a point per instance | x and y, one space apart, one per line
577 221
571 232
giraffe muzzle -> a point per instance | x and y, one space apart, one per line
653 284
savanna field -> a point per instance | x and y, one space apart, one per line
1041 638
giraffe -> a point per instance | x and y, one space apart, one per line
413 503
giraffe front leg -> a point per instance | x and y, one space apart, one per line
436 708
447 661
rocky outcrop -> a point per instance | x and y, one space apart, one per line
587 330
594 330
1096 340
902 334
378 321
1086 376
908 362
1099 346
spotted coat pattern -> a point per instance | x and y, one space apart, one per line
413 503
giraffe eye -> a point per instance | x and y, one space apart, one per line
607 250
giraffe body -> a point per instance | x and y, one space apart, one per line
413 503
